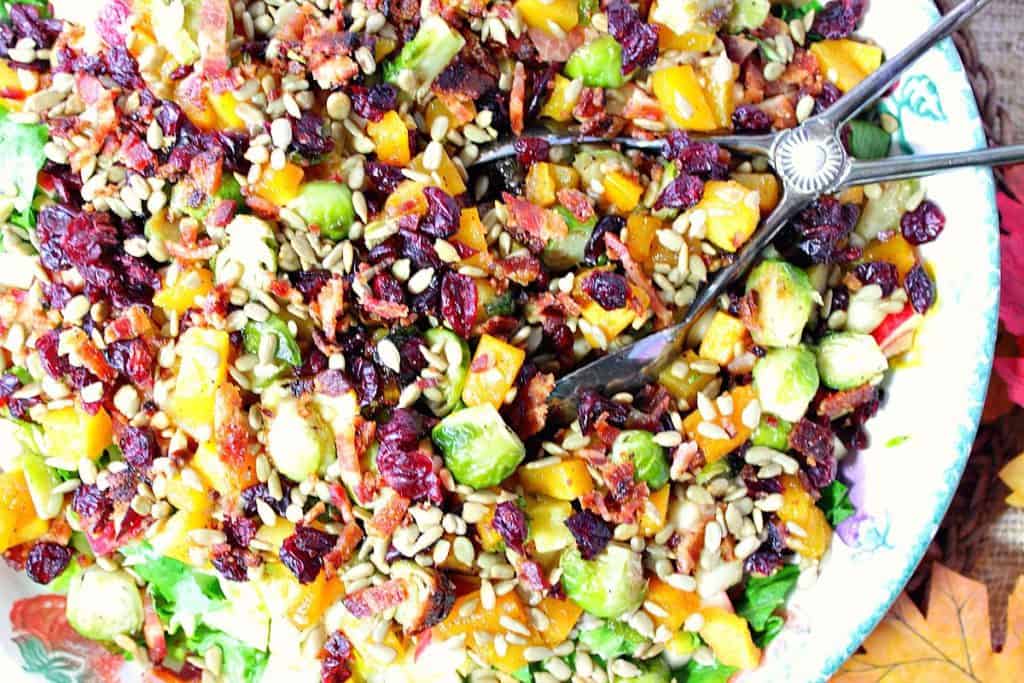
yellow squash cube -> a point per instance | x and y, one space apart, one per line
547 524
655 514
622 191
677 604
188 498
691 41
728 636
721 338
683 98
18 520
562 617
226 478
561 101
847 62
541 185
895 250
568 479
799 510
767 186
732 212
203 368
640 231
499 365
280 186
172 540
72 434
391 138
407 200
540 14
225 107
451 179
473 234
191 285
682 382
716 449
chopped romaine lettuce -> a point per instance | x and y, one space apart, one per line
21 147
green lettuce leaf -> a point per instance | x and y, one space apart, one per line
762 596
612 639
835 502
695 673
21 148
239 662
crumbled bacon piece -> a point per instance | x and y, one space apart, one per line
346 546
375 599
839 403
529 411
625 498
635 273
389 516
533 225
577 203
330 303
517 101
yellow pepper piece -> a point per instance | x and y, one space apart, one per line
18 520
562 617
280 186
72 434
561 101
767 186
226 478
847 62
691 41
722 336
682 382
622 191
677 604
655 514
640 231
683 99
182 295
799 511
732 212
716 449
610 323
895 250
225 105
172 540
729 638
540 14
499 363
391 138
473 234
541 185
204 366
567 479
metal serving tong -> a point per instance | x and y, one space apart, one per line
811 161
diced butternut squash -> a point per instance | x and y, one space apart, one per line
807 530
655 514
540 184
452 181
457 116
191 285
11 88
896 250
311 600
203 368
473 234
677 604
382 47
728 636
610 323
225 107
716 449
488 621
722 336
567 479
391 138
18 520
173 538
199 110
622 191
562 617
547 524
183 496
718 78
490 540
407 200
540 14
732 212
492 373
684 100
640 231
228 479
274 535
847 62
852 195
682 382
767 186
280 186
561 101
691 41
72 434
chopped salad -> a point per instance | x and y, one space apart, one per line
276 354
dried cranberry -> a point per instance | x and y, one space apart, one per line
592 405
751 119
383 178
372 103
139 447
459 302
530 151
89 502
839 18
308 137
29 23
337 653
442 219
923 224
595 247
590 531
303 552
262 492
386 287
412 359
46 560
410 473
540 86
314 541
240 531
609 290
704 159
403 430
682 193
368 381
230 562
639 40
56 366
822 472
881 273
819 233
420 250
309 282
830 94
9 383
811 440
763 562
840 298
920 289
134 359
510 523
122 68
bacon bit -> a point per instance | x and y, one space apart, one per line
204 251
754 83
517 101
577 203
636 275
375 599
532 574
804 73
482 363
59 532
295 25
625 498
529 411
389 516
747 309
640 105
343 550
686 458
781 110
334 71
462 111
205 172
606 432
153 631
533 225
262 207
568 304
231 425
281 288
688 546
92 358
523 269
738 48
556 49
138 155
590 103
501 326
385 310
839 403
133 323
330 304
212 39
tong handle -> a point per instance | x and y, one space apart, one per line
874 85
899 168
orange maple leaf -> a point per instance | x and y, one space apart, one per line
952 644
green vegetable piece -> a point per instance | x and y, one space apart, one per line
748 14
762 596
182 197
649 462
479 449
102 604
847 360
651 671
298 441
240 663
62 583
869 141
884 213
587 9
327 205
427 54
772 432
787 13
286 348
501 305
607 586
42 480
836 504
523 674
612 639
786 381
21 148
785 299
712 470
566 252
598 63
698 673
454 380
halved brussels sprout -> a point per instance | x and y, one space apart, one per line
598 63
772 432
428 53
102 604
786 381
748 14
429 596
785 299
884 212
609 585
649 462
568 251
848 359
454 380
612 639
478 447
327 205
286 348
183 197
298 440
651 671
